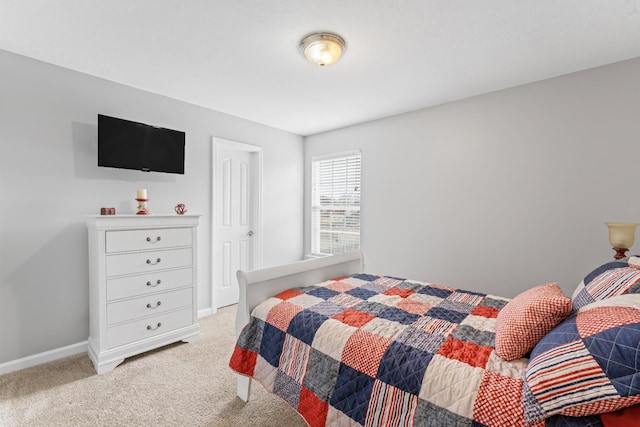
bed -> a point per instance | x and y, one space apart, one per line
349 348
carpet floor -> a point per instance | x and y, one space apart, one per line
177 385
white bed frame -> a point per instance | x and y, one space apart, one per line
258 285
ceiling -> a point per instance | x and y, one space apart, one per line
241 56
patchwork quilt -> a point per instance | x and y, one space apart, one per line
370 350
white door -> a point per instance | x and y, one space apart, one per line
235 169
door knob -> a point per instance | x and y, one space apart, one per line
250 233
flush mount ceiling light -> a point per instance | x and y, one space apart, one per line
322 48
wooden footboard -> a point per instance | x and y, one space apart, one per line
258 285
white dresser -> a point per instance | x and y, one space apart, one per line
143 287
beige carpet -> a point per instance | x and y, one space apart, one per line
178 385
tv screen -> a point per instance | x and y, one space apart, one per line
130 145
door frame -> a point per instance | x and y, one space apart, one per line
256 208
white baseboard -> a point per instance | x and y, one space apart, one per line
59 353
206 312
40 358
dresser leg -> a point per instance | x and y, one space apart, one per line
107 367
192 338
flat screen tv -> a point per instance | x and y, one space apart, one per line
130 145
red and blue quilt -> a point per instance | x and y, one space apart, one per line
370 350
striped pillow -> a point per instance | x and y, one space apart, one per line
529 317
589 364
613 278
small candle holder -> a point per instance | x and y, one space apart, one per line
142 207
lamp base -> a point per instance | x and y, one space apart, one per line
620 252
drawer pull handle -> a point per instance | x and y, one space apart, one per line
153 241
152 285
156 306
153 263
150 328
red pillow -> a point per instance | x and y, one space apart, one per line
529 317
624 417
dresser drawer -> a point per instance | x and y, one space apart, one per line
131 286
155 238
144 262
148 305
148 327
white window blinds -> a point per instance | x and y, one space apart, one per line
335 210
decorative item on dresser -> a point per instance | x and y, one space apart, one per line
181 209
143 287
141 197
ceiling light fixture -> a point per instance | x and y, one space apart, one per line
322 48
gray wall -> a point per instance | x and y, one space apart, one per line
49 182
504 191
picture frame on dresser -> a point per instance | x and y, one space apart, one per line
142 285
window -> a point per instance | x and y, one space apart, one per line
335 206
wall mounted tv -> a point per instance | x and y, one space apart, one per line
130 145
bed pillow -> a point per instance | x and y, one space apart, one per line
589 364
613 278
623 417
527 318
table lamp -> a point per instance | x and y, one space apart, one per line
621 237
